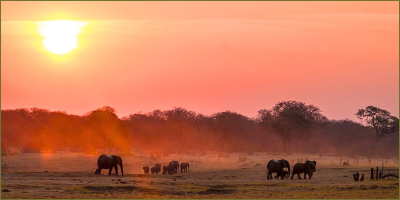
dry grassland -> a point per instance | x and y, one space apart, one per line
72 176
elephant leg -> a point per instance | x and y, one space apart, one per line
116 170
298 174
98 171
109 171
305 175
292 176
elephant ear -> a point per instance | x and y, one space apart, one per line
308 165
117 159
282 163
285 163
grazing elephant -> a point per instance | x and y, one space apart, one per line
285 174
155 170
171 168
307 168
277 166
164 169
146 169
109 162
176 163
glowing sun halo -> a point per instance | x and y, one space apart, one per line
60 36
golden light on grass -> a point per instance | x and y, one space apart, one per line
60 36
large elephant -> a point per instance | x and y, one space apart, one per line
109 162
146 169
307 168
276 166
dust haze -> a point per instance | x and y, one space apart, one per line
53 154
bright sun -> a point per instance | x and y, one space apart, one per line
60 36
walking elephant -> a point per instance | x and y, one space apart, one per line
307 168
276 166
109 162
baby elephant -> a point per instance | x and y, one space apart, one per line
146 169
285 174
307 168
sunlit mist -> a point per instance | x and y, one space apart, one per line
60 36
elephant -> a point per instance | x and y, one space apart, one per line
109 162
285 174
307 168
184 167
277 166
157 165
146 169
155 170
176 163
164 169
171 168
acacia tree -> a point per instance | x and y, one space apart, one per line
380 120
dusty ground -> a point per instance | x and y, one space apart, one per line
72 176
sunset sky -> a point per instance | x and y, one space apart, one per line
204 56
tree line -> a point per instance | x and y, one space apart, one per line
289 126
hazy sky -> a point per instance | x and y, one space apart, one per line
204 56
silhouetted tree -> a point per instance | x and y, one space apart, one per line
228 124
289 119
181 121
380 120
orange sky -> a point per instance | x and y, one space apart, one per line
205 56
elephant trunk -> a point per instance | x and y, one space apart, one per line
122 170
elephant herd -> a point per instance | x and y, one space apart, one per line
171 168
274 166
277 166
